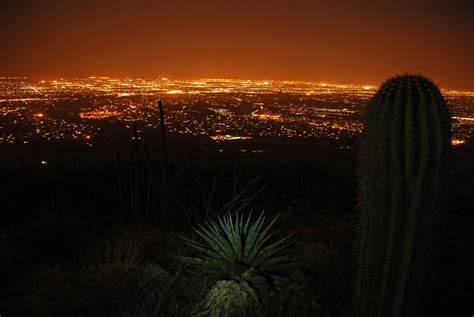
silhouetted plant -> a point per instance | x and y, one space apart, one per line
235 198
404 158
169 178
148 192
134 182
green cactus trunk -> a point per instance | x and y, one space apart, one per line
403 166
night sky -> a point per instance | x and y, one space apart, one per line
334 41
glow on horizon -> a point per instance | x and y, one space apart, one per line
197 82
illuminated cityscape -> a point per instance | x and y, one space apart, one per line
236 158
222 109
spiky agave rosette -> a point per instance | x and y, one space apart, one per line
231 246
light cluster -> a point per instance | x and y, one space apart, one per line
223 109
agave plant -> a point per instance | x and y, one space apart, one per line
232 246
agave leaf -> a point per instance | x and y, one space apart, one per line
233 224
262 238
222 239
240 223
202 248
273 249
205 250
226 229
275 261
211 262
268 247
218 231
189 241
236 237
223 224
240 235
247 222
257 249
212 240
282 242
252 236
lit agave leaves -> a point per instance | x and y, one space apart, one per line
230 245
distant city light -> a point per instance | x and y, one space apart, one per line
174 92
457 142
222 109
229 137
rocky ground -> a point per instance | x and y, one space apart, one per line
134 272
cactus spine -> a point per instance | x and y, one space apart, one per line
404 158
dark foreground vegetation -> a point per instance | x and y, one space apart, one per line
105 237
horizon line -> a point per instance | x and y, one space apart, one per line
176 78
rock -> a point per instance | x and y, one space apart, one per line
232 298
260 284
252 294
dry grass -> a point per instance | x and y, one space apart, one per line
145 291
127 248
132 271
128 282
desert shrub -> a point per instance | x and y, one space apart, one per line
146 291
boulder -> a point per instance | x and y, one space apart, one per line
251 293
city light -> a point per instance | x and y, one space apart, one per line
222 109
457 142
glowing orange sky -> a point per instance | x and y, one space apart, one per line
335 41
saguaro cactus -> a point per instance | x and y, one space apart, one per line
402 172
